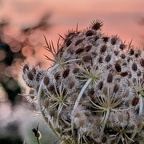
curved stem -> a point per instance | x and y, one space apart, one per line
77 102
141 105
105 121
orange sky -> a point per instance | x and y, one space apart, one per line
120 16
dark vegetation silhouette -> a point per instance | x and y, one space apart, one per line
11 53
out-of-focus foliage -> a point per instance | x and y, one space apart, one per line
14 50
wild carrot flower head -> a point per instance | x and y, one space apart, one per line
94 91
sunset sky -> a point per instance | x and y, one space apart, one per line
122 17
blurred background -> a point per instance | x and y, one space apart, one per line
22 26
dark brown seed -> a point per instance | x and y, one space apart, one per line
94 54
89 33
66 73
123 74
108 58
38 76
135 101
71 84
142 62
57 75
100 85
96 38
123 56
129 74
88 48
104 139
46 103
103 48
109 78
68 42
116 52
78 41
91 91
116 88
113 40
79 51
105 39
97 25
46 80
70 34
134 67
25 68
131 52
139 73
100 60
75 70
137 55
122 46
51 88
118 67
87 58
30 76
34 71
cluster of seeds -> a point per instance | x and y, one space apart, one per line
94 92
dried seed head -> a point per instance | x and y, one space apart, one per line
30 75
135 101
110 78
66 73
134 67
25 68
89 33
46 80
108 58
103 48
142 62
96 25
118 67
